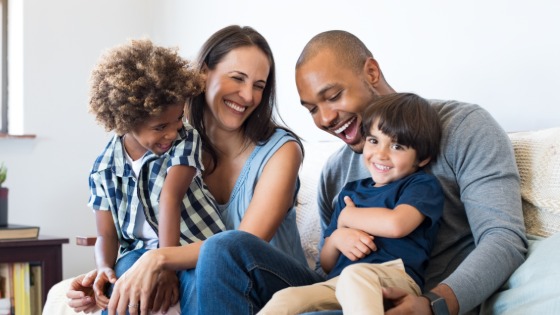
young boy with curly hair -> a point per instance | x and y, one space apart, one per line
146 186
383 228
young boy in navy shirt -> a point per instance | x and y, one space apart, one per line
383 227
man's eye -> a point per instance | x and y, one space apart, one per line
335 97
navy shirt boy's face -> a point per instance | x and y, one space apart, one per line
387 160
155 134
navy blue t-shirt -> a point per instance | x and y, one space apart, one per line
420 190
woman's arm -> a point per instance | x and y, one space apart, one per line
274 193
175 186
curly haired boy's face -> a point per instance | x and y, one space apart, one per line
156 134
235 86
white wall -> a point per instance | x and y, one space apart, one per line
502 55
47 176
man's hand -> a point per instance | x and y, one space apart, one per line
405 303
80 294
354 244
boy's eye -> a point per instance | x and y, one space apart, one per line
397 146
371 140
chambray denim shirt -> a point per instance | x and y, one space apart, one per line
114 187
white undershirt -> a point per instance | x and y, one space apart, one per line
142 230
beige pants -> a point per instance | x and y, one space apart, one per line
356 291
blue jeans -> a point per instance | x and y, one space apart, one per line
237 273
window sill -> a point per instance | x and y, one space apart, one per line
10 136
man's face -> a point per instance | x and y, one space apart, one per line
335 96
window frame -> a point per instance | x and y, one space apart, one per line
4 68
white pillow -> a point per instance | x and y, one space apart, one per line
538 159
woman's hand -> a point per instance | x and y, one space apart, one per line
166 293
80 294
133 289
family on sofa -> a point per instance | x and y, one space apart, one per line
250 166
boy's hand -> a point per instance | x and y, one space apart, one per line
80 293
354 244
104 276
341 218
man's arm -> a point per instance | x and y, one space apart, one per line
488 181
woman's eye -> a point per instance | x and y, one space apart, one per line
259 87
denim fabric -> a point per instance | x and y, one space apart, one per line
237 273
187 290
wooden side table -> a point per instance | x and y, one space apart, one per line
46 250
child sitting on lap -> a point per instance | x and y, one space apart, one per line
384 227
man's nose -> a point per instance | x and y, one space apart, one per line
328 117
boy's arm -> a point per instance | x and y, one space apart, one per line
383 222
175 186
106 252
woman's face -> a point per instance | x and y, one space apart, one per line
235 86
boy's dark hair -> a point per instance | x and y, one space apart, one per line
408 119
138 80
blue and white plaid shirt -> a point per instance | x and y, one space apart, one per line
114 187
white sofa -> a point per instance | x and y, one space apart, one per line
538 158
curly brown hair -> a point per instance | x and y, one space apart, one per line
139 80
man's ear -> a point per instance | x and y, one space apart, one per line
371 70
424 162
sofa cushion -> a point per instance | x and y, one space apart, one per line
309 226
533 288
538 159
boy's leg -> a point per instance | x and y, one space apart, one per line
237 273
296 300
359 288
